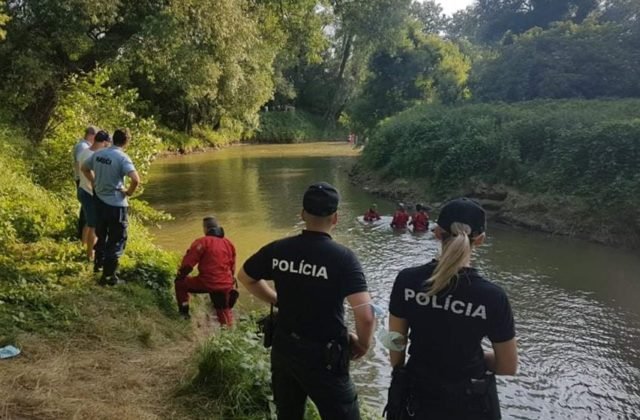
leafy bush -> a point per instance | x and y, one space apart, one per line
294 127
233 373
89 100
40 261
27 211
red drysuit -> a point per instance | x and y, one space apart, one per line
400 219
216 261
420 222
371 216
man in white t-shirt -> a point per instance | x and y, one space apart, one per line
85 192
82 144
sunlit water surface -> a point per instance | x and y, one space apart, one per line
577 305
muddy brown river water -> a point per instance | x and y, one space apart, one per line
577 304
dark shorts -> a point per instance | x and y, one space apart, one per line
88 207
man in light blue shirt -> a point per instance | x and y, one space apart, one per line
82 145
106 170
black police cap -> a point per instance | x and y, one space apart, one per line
321 199
463 210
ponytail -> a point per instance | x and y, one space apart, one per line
456 250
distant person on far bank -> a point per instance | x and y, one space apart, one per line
444 309
85 193
215 257
312 346
82 144
372 214
106 169
400 217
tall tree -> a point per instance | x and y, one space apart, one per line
497 17
430 15
424 69
302 25
204 62
361 26
567 61
49 40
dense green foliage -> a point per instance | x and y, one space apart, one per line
587 149
89 100
40 260
233 373
294 127
201 62
48 41
423 69
494 18
579 61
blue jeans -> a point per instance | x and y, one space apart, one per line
111 231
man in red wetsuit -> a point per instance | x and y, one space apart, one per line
400 218
215 257
420 220
372 215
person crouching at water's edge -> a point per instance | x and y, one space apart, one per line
400 217
311 347
447 307
215 257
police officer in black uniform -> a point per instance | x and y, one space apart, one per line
447 308
311 345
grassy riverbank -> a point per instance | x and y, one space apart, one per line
557 166
95 352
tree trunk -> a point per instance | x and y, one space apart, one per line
337 102
39 115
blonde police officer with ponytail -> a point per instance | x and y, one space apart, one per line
446 308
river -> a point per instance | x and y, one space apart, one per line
577 304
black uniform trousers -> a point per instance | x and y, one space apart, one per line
458 401
111 232
298 371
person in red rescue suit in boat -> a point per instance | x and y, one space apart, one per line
400 217
215 257
372 214
420 220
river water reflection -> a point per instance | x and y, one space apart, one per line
577 305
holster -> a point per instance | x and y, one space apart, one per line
267 327
337 355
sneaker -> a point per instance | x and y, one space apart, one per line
97 267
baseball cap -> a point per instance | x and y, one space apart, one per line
321 199
463 210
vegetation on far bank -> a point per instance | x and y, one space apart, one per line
587 150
